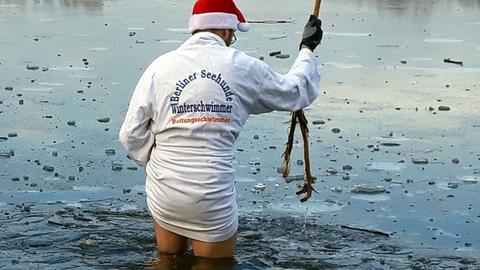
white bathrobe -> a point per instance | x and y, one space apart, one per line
184 117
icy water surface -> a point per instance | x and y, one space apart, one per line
395 139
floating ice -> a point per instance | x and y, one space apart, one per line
245 180
392 139
88 188
129 207
81 35
421 59
259 187
76 204
344 65
38 89
438 71
138 188
372 198
95 48
69 68
56 202
135 28
181 30
442 40
51 179
447 185
291 178
442 232
171 41
452 185
465 249
337 189
417 160
364 189
273 36
313 205
51 84
328 206
348 34
82 76
388 46
384 166
469 179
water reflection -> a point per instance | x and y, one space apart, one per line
406 7
188 261
470 4
415 8
425 8
87 5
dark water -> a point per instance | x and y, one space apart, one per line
384 81
109 234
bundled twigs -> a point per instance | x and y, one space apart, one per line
299 117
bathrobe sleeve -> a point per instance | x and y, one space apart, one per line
135 134
291 92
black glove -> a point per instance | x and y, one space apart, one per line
312 33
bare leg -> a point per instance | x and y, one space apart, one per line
169 243
165 262
224 249
217 264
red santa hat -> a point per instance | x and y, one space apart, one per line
217 14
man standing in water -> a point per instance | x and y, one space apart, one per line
185 115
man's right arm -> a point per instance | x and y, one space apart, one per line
299 87
293 91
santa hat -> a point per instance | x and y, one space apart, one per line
217 14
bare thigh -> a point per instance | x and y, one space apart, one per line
169 242
172 243
224 249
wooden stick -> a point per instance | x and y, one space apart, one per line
271 21
366 230
316 9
